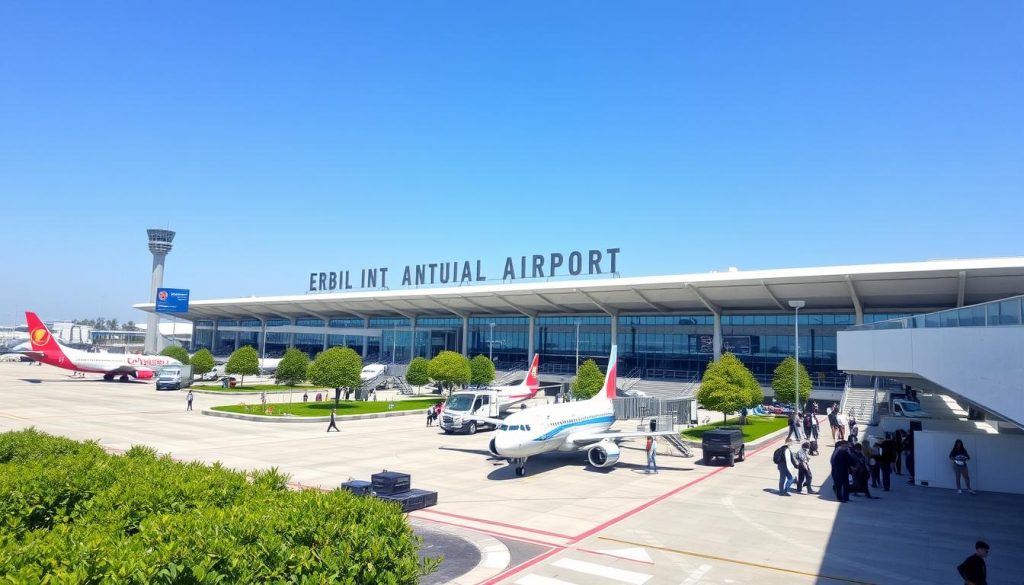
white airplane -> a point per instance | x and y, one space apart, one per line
47 350
570 426
525 390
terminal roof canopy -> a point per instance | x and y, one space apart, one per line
904 287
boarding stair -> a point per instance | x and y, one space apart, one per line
507 378
677 442
861 400
631 379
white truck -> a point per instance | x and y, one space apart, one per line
463 404
174 378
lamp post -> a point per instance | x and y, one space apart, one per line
394 341
797 305
490 345
577 346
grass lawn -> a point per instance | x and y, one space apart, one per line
324 408
260 388
759 426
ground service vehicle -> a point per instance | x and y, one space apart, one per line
725 442
174 378
462 406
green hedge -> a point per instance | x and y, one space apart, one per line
71 513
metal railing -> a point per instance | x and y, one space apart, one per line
998 313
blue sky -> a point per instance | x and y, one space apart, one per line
282 139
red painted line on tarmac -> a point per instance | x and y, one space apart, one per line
494 533
502 524
661 498
519 568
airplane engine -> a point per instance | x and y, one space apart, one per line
144 374
493 449
604 454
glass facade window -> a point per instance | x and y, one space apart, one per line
202 335
278 322
309 322
250 323
507 343
346 323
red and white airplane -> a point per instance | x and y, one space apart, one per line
47 350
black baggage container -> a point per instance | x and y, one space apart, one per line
390 482
358 487
411 499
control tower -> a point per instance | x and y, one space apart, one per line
160 243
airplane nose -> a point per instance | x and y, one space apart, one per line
506 446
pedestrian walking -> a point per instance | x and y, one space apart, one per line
833 422
841 463
803 465
334 421
875 463
888 454
784 461
973 570
305 396
898 445
959 457
430 416
188 400
652 450
794 430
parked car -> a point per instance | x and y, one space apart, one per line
909 409
725 442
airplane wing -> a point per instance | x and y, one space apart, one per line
491 421
584 439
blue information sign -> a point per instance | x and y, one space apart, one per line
172 300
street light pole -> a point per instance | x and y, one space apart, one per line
394 341
797 305
490 345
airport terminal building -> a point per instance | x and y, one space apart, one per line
666 327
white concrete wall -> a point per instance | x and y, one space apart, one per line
993 466
983 364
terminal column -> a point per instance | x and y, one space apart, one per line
532 319
366 341
465 335
717 340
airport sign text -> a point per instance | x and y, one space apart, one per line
575 263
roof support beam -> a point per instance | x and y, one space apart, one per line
517 308
452 310
552 304
656 306
715 309
477 305
772 296
961 290
599 304
857 307
400 311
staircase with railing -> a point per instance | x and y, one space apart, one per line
862 401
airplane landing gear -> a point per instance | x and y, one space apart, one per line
108 377
520 466
124 378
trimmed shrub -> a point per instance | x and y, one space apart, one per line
74 514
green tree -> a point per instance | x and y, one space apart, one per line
728 386
418 373
244 361
450 369
129 326
784 384
292 369
338 367
113 325
202 362
481 371
587 382
177 352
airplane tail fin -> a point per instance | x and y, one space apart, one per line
607 391
39 335
531 380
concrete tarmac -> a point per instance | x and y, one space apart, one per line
564 522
